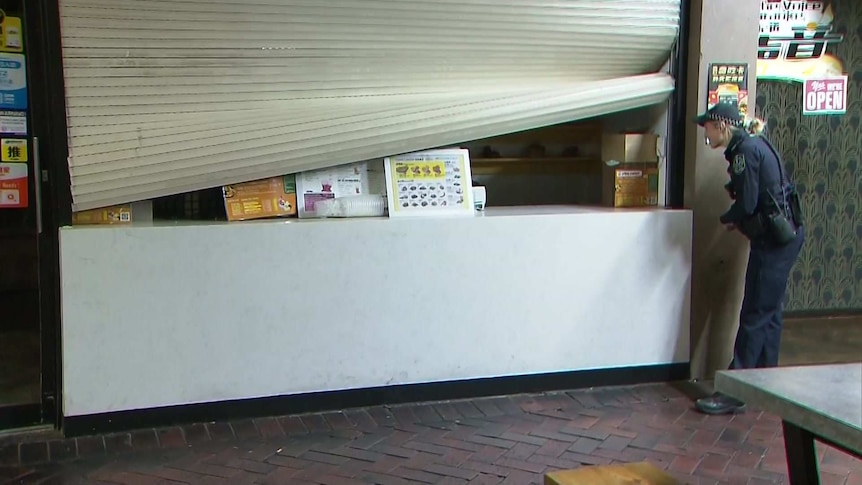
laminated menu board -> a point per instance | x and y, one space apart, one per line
430 182
260 199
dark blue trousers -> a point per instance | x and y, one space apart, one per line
759 336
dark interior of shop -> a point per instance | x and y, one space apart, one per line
19 324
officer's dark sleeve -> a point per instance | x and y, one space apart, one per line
744 174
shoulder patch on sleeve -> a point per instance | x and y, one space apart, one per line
739 164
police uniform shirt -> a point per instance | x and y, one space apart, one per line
751 164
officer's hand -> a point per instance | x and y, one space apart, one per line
729 188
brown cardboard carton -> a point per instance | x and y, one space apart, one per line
642 473
120 214
273 197
630 185
630 147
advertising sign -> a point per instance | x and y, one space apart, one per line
13 122
13 150
13 81
120 214
428 183
728 84
11 34
825 96
794 38
13 185
273 197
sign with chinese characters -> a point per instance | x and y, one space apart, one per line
13 81
728 84
825 96
13 185
793 42
13 150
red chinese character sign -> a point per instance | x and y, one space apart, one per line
13 185
728 84
795 36
825 96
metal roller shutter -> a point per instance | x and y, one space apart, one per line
169 96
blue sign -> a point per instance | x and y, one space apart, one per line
13 81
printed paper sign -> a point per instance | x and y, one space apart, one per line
13 81
120 214
11 35
13 122
796 37
13 185
13 150
728 84
427 183
273 197
825 96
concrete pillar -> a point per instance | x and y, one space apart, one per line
721 31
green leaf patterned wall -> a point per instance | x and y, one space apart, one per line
823 155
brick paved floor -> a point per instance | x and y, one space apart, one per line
512 439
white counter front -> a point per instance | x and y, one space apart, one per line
164 315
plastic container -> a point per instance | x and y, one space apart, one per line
354 206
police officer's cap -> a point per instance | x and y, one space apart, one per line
721 112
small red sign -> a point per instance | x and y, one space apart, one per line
13 186
826 96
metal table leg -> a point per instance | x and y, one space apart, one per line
801 455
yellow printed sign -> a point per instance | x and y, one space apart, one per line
121 214
420 170
13 150
11 36
273 197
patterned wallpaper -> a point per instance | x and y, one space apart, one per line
823 155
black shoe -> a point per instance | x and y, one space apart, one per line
720 404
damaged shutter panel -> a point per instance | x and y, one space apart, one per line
165 97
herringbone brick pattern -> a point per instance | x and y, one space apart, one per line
504 440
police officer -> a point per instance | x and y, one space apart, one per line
766 210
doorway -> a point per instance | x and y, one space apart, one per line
29 278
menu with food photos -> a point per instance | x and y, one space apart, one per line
429 182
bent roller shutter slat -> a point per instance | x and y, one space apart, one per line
165 97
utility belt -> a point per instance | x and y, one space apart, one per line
773 222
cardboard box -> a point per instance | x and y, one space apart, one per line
261 199
119 214
630 185
360 178
630 473
630 148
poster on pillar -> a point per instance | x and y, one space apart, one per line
11 32
13 81
728 84
826 96
795 41
13 185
